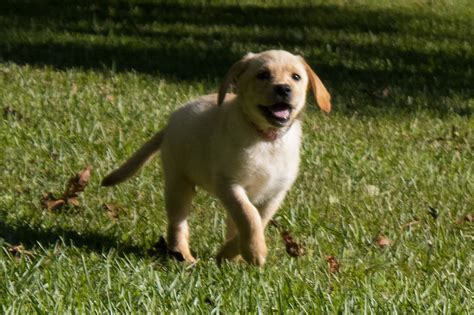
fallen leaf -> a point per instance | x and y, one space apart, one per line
75 185
382 241
51 203
292 248
433 212
18 251
466 218
334 265
113 210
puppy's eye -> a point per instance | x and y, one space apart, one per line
263 75
296 77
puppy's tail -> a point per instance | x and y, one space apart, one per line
136 161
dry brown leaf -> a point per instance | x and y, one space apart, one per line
334 265
292 248
467 218
18 251
75 185
48 201
78 183
382 241
113 211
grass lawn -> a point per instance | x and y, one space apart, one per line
86 82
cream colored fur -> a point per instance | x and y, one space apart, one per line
225 145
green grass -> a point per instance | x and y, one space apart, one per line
86 83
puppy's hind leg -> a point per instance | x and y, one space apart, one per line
178 195
230 250
231 228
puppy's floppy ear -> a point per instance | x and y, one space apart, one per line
321 95
234 72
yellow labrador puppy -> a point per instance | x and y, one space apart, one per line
243 148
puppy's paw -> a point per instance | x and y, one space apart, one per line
181 255
254 251
161 248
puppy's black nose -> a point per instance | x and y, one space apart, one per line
283 90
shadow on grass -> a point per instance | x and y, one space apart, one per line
30 236
194 42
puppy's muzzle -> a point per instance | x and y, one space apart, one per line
283 91
279 113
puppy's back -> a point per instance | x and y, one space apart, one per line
188 143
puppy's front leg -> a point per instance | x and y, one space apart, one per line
250 241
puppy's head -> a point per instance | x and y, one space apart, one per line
271 87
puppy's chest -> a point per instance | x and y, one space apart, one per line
266 170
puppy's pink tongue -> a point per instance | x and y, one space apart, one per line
280 110
282 113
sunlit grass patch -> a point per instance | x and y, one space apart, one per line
393 160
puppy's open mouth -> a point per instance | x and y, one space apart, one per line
277 114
